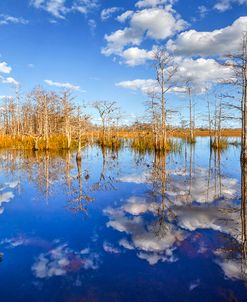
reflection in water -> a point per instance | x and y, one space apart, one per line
61 260
47 169
176 219
234 255
78 198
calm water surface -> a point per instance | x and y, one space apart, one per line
122 226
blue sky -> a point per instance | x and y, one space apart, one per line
103 49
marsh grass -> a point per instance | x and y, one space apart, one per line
146 144
221 144
56 142
113 143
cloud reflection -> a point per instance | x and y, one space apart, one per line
62 259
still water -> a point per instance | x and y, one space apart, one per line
122 226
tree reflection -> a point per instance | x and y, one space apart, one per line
79 199
50 171
106 180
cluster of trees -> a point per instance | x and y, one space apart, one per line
42 114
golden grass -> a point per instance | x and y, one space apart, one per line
56 142
142 140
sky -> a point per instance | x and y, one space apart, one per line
103 49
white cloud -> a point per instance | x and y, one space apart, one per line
62 85
109 248
203 10
108 12
58 9
6 197
6 19
124 16
92 25
210 71
59 260
130 219
157 23
218 42
153 3
12 184
153 23
134 178
153 258
126 244
9 80
120 38
233 268
145 86
5 68
85 6
137 205
224 5
136 56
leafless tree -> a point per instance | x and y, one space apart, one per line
106 111
165 71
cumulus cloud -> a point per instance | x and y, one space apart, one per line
62 85
6 19
217 42
58 8
108 12
153 23
136 56
210 71
224 5
5 68
125 16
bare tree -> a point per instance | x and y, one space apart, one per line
106 111
165 71
67 113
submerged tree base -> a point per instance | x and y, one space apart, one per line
219 144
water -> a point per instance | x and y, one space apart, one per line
121 226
